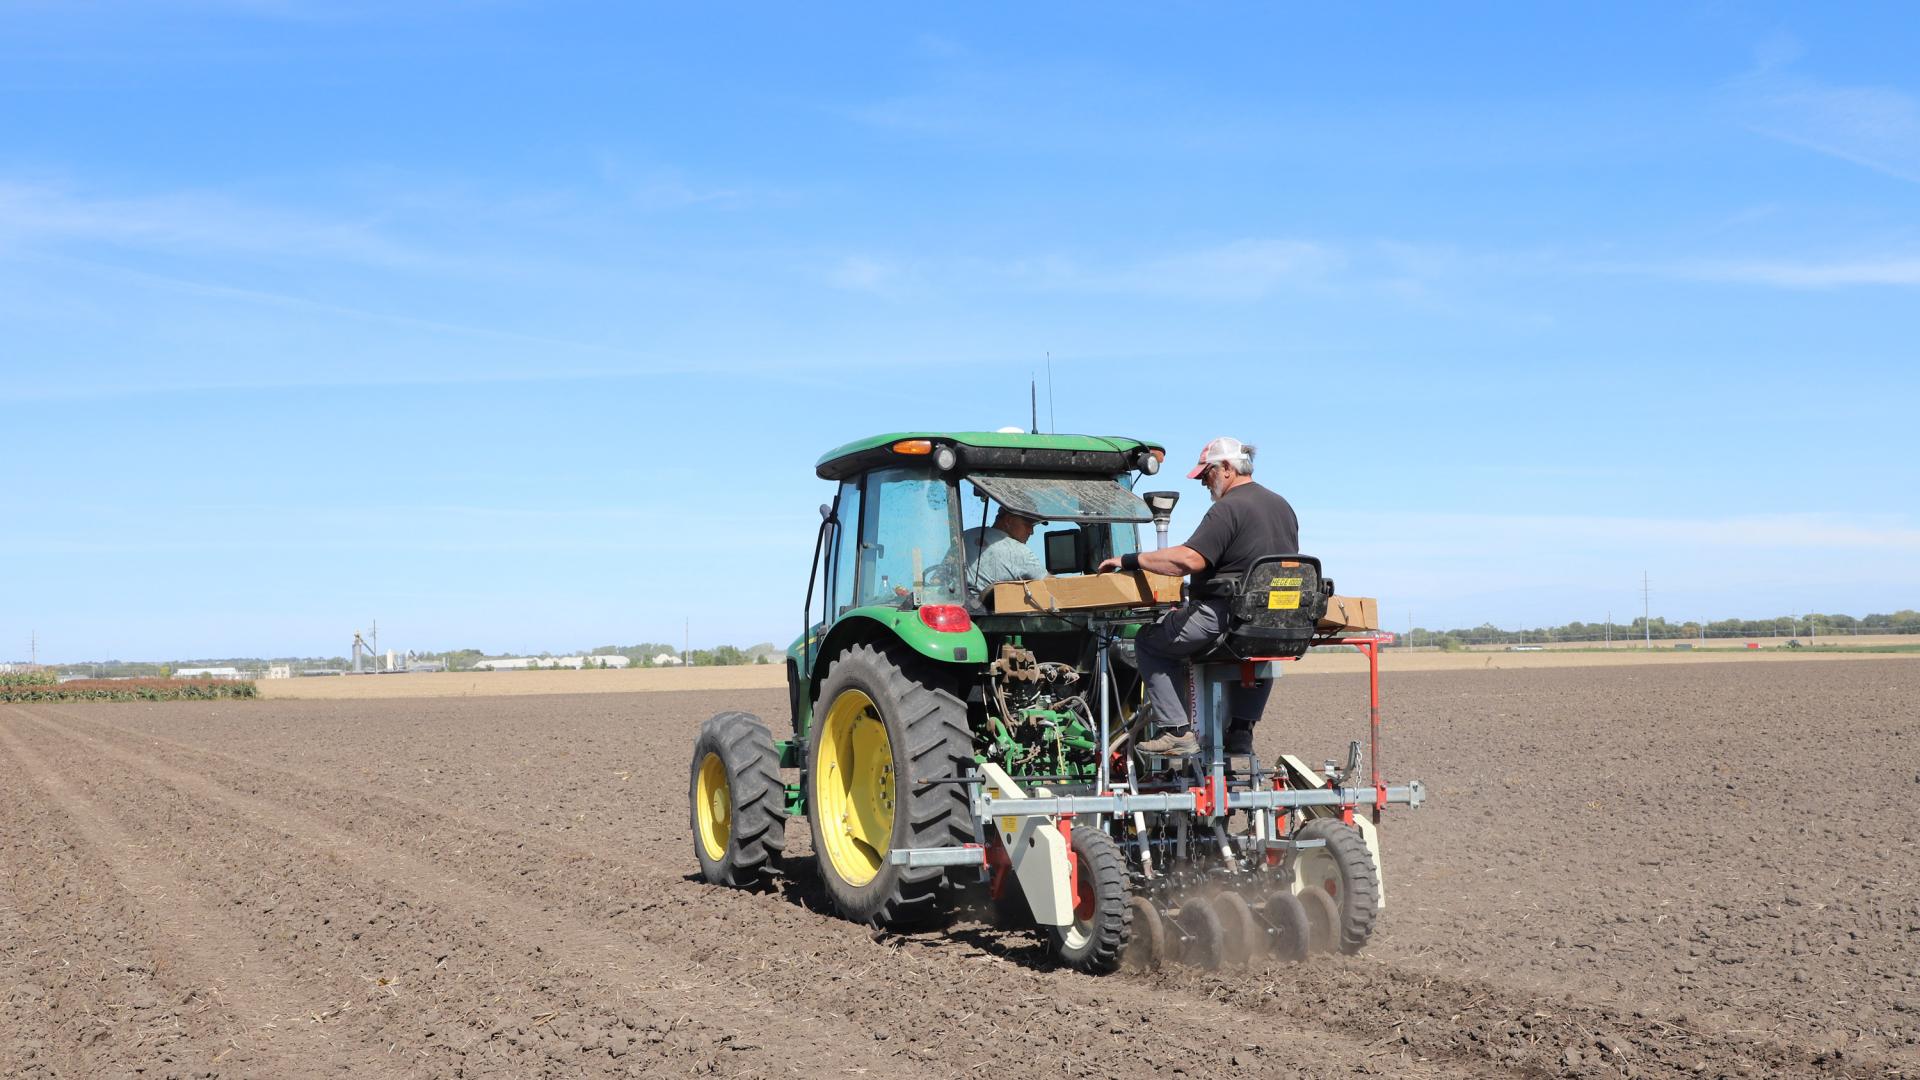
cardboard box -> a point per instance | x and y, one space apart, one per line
1085 593
1350 613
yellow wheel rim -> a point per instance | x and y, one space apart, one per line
713 802
854 788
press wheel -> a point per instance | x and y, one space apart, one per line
1292 935
1242 942
1323 920
1148 948
1202 937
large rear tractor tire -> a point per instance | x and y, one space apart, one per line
1343 871
1102 918
737 802
880 741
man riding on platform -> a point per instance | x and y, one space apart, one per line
1245 522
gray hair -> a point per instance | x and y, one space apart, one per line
1242 466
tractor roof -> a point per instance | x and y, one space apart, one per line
991 450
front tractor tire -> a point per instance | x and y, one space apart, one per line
880 741
737 802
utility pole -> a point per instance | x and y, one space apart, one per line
33 649
686 641
1609 628
1646 608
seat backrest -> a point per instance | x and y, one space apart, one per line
1277 606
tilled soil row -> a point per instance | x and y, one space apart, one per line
1473 1019
91 985
442 976
895 997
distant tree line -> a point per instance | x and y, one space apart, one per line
640 655
1814 625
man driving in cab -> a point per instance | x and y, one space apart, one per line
999 552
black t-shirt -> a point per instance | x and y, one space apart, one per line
1249 521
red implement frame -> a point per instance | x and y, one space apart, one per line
1369 645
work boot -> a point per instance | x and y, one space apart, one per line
1239 740
1172 743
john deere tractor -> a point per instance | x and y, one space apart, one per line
953 736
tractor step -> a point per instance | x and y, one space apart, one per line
970 855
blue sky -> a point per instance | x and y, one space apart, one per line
520 326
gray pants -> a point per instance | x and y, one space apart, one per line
1163 650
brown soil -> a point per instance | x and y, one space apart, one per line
1657 871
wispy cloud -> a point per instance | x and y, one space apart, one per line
863 273
1788 274
264 298
1236 270
194 223
654 187
1877 127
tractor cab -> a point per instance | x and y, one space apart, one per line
892 558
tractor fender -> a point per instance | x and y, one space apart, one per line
1037 851
881 626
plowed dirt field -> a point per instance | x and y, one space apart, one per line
1657 871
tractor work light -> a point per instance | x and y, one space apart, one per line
1148 461
946 618
944 459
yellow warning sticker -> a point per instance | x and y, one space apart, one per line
1286 582
1278 600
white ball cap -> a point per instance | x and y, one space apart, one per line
1225 448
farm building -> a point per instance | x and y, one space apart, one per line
522 663
209 673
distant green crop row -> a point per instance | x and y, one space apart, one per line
48 689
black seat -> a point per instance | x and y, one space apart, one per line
1275 609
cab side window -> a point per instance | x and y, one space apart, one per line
846 548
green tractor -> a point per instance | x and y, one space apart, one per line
954 736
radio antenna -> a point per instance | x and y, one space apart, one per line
1053 424
1033 401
